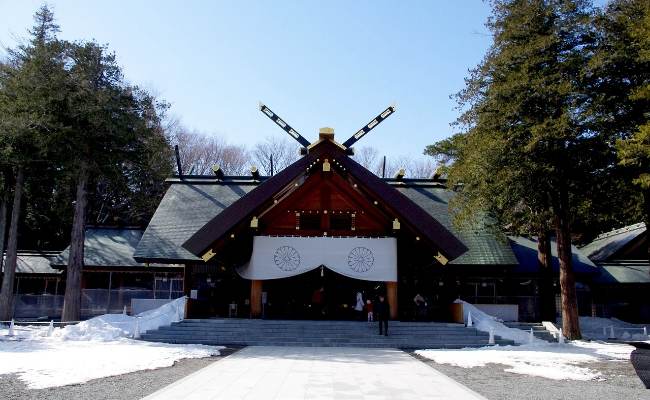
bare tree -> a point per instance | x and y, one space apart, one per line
413 168
394 164
368 157
235 160
420 168
199 152
284 153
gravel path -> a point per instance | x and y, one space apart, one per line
492 382
130 386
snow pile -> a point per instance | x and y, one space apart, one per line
92 349
104 327
484 322
553 361
47 362
539 358
113 326
601 328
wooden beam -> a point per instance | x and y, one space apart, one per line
256 299
187 288
391 298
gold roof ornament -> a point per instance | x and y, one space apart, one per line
441 259
326 166
208 255
326 133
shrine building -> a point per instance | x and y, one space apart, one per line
302 243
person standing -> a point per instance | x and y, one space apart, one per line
358 307
369 310
382 311
420 307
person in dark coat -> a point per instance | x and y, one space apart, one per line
382 313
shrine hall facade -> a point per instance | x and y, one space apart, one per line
303 243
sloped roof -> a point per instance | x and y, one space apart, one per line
186 207
107 247
483 247
35 262
525 250
607 244
189 203
243 208
624 271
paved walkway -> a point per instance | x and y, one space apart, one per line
316 373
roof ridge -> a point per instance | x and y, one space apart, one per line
629 228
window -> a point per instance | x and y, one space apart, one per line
341 222
310 222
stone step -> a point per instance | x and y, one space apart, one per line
328 339
317 329
314 337
327 331
226 321
324 344
539 331
236 332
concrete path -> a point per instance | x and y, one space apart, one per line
316 373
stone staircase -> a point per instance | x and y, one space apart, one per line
252 332
538 329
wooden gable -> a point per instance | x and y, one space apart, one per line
326 179
325 204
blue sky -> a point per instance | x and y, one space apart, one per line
334 63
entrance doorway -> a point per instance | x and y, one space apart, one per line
318 294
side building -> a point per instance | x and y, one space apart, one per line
111 280
623 281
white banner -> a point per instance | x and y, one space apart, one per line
370 259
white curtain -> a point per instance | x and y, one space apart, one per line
370 259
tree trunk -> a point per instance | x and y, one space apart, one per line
3 224
546 291
72 298
646 200
7 291
570 321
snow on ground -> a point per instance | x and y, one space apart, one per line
113 326
538 358
92 349
553 361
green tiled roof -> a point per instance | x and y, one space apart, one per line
184 209
624 271
189 204
107 247
607 244
35 262
484 246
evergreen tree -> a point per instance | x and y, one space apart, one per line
115 138
32 94
620 91
525 154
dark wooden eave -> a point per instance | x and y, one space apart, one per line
244 208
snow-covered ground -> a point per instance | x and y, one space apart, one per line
92 349
552 360
536 357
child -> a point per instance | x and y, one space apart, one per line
369 310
